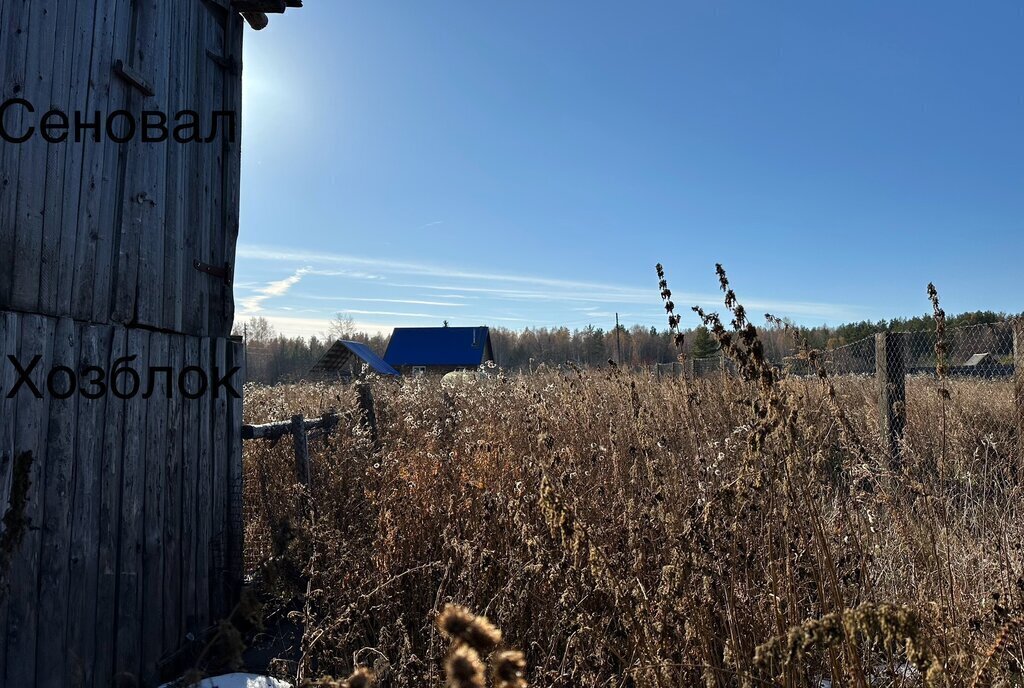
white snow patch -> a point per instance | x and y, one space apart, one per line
235 681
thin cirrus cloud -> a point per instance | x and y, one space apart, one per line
456 284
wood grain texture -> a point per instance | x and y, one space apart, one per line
111 465
83 567
128 648
155 502
25 260
37 335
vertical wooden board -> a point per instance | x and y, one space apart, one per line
140 260
54 583
101 199
78 70
179 75
13 52
9 333
128 629
221 603
8 347
189 488
172 550
23 571
204 497
28 242
214 100
235 474
155 490
109 519
232 163
86 499
194 315
8 173
60 182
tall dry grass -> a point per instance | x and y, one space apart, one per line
628 531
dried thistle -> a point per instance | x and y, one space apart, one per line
464 668
461 624
508 668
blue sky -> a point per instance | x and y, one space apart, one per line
526 163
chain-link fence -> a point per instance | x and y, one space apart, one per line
911 372
977 351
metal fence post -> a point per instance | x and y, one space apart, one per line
1018 384
891 371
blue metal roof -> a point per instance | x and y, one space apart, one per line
341 353
439 346
371 359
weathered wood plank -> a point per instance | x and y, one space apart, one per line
13 23
219 458
235 472
58 174
102 202
128 653
204 498
25 261
54 583
179 95
232 164
110 519
155 502
140 258
173 504
190 486
211 98
23 572
891 371
83 560
9 335
80 50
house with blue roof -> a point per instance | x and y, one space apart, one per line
347 360
438 350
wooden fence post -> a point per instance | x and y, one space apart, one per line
301 440
367 413
891 371
1018 384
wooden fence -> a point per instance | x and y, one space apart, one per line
300 429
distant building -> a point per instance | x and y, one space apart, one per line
981 360
345 361
420 350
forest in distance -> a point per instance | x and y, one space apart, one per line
277 358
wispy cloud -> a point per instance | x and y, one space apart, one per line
529 288
361 299
252 305
430 224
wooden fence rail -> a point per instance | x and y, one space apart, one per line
299 428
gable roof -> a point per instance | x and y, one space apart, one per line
341 353
439 346
981 359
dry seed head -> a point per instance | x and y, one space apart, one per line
464 668
508 668
361 678
461 624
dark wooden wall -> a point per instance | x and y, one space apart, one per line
131 537
108 232
132 511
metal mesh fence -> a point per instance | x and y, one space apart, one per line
976 351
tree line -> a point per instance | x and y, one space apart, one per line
274 357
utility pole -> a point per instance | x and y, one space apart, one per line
618 344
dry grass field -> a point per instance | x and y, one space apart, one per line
628 531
